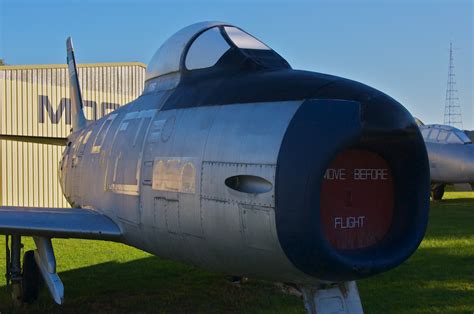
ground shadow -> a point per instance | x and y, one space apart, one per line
157 285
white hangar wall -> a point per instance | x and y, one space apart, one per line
34 101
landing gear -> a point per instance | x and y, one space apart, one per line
31 278
14 275
38 266
437 191
336 298
25 285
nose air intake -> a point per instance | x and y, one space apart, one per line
352 188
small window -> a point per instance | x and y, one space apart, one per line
458 137
425 133
243 40
464 138
434 134
442 135
206 50
453 139
100 138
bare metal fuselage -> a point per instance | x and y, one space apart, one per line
204 223
451 163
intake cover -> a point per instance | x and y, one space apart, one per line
356 200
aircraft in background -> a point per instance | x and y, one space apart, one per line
232 161
451 155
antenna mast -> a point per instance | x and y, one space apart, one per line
452 109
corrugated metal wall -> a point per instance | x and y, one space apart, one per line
34 101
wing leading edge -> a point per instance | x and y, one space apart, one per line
58 223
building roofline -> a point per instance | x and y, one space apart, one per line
64 66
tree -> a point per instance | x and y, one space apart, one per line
2 62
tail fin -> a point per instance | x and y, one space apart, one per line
78 119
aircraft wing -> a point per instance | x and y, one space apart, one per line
58 223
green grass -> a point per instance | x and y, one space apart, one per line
101 277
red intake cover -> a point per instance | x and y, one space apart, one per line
356 200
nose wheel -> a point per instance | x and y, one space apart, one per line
337 298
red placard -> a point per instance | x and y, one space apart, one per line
357 200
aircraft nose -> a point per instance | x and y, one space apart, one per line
352 188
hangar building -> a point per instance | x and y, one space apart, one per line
34 101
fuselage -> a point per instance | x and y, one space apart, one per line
451 163
221 172
451 154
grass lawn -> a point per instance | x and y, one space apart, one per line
103 277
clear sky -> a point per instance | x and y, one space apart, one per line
399 47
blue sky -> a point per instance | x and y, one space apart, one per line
399 47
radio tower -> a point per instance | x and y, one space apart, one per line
452 109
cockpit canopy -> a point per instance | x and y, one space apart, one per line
203 46
443 134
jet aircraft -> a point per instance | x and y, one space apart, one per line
451 156
233 161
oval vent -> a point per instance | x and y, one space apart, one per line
249 184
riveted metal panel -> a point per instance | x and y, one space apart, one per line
34 101
214 175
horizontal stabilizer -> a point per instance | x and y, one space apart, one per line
58 223
59 141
